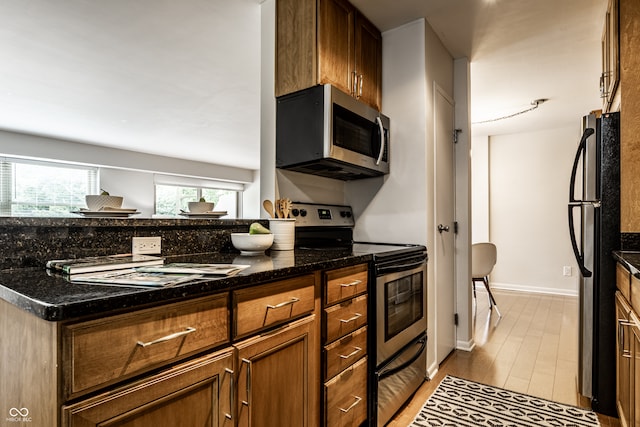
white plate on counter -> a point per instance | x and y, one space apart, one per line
107 213
212 214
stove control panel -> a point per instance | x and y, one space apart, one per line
317 215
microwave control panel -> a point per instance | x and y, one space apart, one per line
316 215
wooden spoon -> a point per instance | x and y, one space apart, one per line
268 206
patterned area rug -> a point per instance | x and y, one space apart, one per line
460 403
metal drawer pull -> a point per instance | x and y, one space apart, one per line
348 285
248 385
351 319
169 337
353 353
282 304
232 392
626 353
358 399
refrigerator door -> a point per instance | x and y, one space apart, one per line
588 244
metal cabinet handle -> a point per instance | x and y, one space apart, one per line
188 330
623 323
360 80
353 353
247 402
442 228
354 83
351 319
348 285
358 399
232 393
282 304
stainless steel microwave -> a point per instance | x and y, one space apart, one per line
325 132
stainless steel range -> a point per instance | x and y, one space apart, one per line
397 304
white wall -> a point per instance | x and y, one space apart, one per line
480 188
399 207
529 183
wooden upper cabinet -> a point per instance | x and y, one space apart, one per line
327 41
336 44
368 61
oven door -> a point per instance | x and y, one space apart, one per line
401 308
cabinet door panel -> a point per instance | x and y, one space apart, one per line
623 362
336 44
635 378
197 393
368 62
277 378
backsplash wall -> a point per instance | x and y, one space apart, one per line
31 242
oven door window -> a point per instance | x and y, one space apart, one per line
404 303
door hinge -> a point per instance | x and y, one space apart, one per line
455 319
455 227
455 135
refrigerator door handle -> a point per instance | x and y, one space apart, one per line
574 244
573 203
581 148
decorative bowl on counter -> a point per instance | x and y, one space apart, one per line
200 207
251 244
97 202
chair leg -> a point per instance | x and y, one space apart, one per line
492 300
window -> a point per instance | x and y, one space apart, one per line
171 199
33 188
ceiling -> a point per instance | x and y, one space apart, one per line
182 78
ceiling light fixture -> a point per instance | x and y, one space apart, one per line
535 103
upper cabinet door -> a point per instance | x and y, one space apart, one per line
336 58
368 50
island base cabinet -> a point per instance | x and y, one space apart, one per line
196 393
278 377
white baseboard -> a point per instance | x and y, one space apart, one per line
530 289
466 345
432 370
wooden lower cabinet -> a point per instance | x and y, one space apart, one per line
195 393
278 377
628 363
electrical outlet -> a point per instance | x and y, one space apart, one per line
146 245
566 270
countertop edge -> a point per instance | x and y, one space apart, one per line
630 260
141 298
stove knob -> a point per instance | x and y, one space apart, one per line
343 214
303 212
348 213
295 212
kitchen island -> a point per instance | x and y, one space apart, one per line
242 350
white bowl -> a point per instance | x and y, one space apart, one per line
200 207
251 244
97 202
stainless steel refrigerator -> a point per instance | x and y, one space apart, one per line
594 228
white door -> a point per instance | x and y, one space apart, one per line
444 223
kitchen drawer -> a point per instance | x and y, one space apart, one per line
635 294
623 281
109 349
345 283
344 318
262 306
346 397
343 353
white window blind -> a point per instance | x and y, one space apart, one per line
37 188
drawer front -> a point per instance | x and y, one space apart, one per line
623 281
635 294
345 283
346 317
345 352
346 397
267 305
109 349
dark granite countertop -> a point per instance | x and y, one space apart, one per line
53 298
630 259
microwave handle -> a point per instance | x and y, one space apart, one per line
379 121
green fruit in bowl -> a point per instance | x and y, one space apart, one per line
257 228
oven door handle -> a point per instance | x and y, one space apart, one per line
393 371
398 267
